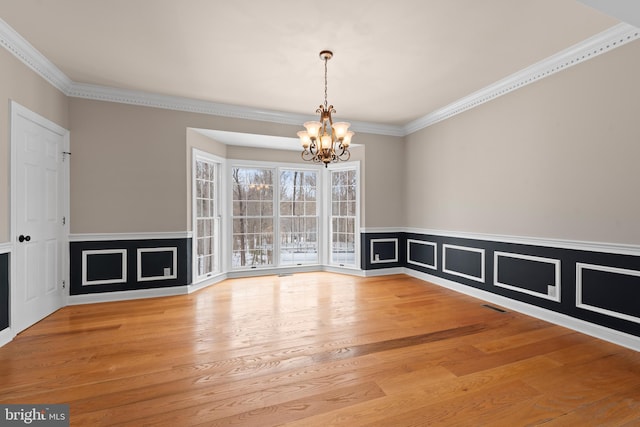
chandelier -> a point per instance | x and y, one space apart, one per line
325 141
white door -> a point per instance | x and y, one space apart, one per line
37 221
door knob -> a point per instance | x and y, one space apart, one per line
24 238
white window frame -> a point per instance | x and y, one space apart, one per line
351 165
276 167
318 216
221 242
275 184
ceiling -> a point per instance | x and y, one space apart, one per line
393 62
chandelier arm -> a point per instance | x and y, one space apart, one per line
345 155
306 155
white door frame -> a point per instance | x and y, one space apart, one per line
19 110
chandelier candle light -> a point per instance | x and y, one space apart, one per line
325 141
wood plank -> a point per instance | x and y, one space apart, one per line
416 390
514 354
462 409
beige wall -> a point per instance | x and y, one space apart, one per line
383 177
129 171
20 84
556 159
130 167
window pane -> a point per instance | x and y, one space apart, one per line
336 193
266 208
252 208
286 225
297 208
204 189
310 209
253 225
310 179
310 194
351 209
285 208
239 208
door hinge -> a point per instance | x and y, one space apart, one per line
64 220
64 284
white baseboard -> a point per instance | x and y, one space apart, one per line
601 332
343 270
127 295
273 271
6 336
206 283
385 271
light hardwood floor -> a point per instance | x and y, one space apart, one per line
318 349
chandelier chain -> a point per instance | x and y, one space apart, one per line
325 82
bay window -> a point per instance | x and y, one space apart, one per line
276 216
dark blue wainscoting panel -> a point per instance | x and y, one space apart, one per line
4 291
423 253
382 250
103 266
611 291
464 261
598 287
122 265
157 263
525 273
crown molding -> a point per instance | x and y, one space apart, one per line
600 43
32 58
147 99
603 42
